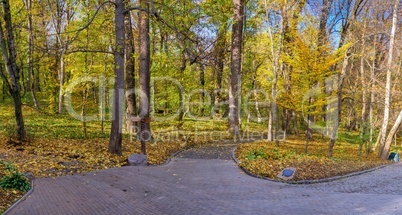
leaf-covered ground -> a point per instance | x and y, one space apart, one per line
57 157
8 197
265 159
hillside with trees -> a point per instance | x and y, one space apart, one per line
123 70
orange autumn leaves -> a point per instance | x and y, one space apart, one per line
57 157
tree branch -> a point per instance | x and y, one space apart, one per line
159 18
91 19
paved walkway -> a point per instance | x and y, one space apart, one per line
188 185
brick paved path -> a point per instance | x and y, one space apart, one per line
209 186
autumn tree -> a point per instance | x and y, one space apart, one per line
118 96
12 78
384 149
235 69
31 46
130 70
144 74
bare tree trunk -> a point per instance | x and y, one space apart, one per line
371 121
257 106
181 96
308 132
363 81
144 74
202 84
235 70
387 99
117 108
269 135
30 54
322 34
9 55
83 110
61 82
130 71
294 119
364 125
220 57
63 49
102 97
3 87
273 123
321 43
372 100
337 112
275 116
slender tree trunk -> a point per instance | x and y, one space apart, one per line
270 135
257 106
3 87
202 85
144 75
220 58
387 99
181 96
322 34
392 132
235 70
307 138
61 83
321 43
9 55
308 130
83 110
273 123
275 116
363 124
117 108
275 56
363 79
86 89
294 119
102 97
130 71
337 112
30 54
62 46
372 99
371 121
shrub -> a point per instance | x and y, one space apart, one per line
12 179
